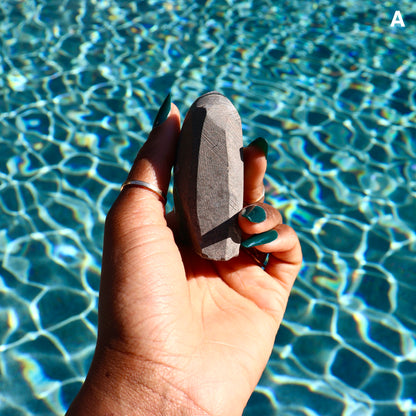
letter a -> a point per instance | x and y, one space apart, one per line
397 19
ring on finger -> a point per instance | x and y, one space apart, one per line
145 185
257 256
257 200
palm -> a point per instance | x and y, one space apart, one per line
226 358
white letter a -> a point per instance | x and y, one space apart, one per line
397 19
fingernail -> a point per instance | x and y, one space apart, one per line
261 144
254 213
163 112
259 239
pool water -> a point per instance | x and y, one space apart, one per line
330 85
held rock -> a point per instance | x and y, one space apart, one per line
208 177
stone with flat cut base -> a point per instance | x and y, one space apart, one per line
208 177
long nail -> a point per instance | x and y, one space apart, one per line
259 239
254 213
261 144
163 112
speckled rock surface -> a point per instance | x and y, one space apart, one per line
208 177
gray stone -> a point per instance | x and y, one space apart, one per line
209 177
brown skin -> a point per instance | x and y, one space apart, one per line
180 335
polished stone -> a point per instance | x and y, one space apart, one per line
208 177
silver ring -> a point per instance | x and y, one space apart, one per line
259 199
145 185
260 258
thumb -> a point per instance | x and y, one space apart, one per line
140 257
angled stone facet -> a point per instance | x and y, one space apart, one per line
208 177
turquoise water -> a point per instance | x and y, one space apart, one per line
330 85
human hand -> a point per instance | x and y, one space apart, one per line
178 334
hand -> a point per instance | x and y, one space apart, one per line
180 335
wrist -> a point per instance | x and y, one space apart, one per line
122 385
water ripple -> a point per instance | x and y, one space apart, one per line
331 86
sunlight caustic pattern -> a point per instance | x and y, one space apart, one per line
332 87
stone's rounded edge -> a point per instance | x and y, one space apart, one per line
214 97
211 93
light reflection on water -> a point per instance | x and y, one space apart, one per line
332 88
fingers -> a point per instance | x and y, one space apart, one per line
263 229
262 225
140 257
136 226
153 165
136 223
268 288
255 164
257 218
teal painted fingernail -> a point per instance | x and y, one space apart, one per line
259 239
163 112
254 213
261 144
